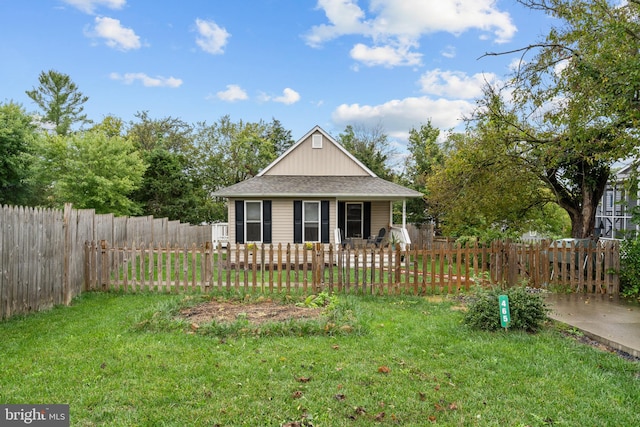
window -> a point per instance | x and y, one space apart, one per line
353 226
311 221
253 222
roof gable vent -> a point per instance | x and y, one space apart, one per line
316 141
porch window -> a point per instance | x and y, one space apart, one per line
311 221
354 220
253 221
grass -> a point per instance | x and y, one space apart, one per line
411 363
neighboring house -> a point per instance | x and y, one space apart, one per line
613 215
314 192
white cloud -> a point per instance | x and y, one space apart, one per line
89 6
212 38
400 115
449 52
289 96
232 94
115 35
345 17
158 81
387 56
455 84
395 27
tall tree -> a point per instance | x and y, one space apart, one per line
480 190
229 152
92 171
425 154
60 100
17 135
168 189
168 133
279 137
371 146
574 104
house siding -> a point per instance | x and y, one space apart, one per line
307 161
380 216
282 220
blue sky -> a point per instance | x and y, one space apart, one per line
389 63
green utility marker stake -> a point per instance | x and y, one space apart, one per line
505 315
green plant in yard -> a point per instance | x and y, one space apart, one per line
323 299
630 268
528 310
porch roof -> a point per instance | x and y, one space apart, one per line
339 187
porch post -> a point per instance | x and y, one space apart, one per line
390 214
404 213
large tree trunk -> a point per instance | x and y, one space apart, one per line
581 200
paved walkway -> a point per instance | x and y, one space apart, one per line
609 320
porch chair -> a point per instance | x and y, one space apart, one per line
377 240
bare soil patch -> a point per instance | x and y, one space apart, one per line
256 313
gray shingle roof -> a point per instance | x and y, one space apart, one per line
361 187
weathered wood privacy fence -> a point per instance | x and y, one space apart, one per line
42 250
443 268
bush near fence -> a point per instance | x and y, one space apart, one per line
449 268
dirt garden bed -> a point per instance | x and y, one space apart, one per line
256 312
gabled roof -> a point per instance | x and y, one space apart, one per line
352 187
330 139
359 183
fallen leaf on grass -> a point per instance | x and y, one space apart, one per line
379 416
432 418
423 396
453 406
303 379
335 347
340 397
384 369
296 394
359 410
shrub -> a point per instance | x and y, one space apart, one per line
630 268
528 311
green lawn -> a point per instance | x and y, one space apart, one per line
410 362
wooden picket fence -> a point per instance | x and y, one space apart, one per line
444 268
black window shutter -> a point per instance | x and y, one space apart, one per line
239 221
297 221
266 221
324 221
367 220
341 218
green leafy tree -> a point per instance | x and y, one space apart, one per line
169 190
480 190
425 154
110 125
60 100
370 146
168 133
229 152
92 171
574 106
17 136
279 137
